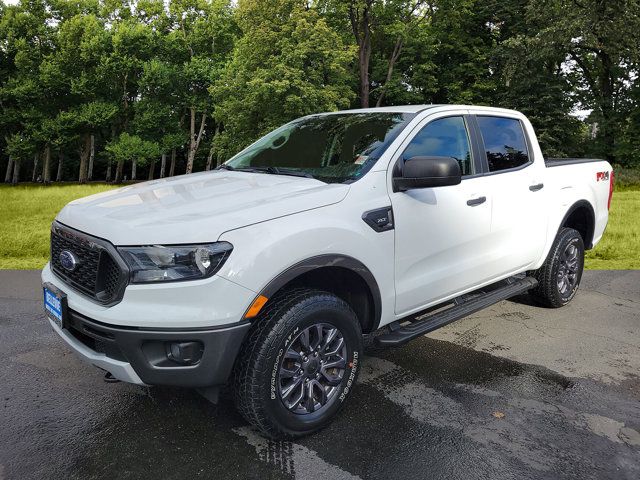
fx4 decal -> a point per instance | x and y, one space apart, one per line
602 176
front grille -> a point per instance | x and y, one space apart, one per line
99 273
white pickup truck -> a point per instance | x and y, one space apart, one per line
266 272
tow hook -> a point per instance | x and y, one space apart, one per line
110 378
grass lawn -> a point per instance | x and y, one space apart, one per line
27 212
620 245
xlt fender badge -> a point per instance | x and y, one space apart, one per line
380 219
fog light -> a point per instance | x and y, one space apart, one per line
185 353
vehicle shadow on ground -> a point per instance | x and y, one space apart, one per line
525 299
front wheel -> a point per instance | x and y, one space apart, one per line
298 364
560 275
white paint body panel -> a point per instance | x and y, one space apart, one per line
199 206
440 247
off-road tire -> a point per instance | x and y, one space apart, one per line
548 292
255 382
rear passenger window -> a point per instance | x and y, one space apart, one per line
504 142
445 137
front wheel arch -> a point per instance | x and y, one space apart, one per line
342 275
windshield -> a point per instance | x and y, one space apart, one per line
333 148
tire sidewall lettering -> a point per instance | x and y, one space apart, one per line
351 378
276 364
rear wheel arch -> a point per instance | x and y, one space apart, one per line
581 217
342 275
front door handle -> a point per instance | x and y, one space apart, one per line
476 201
535 188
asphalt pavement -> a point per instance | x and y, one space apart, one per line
513 392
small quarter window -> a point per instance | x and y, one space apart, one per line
445 137
504 142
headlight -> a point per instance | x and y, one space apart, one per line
170 263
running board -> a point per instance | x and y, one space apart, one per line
462 307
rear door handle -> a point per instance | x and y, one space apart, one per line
535 188
476 201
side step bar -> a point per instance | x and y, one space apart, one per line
463 306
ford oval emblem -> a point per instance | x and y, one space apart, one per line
68 260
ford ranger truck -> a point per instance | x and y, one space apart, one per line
269 272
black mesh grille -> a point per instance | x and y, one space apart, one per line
110 276
97 274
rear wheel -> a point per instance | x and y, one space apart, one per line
560 275
298 364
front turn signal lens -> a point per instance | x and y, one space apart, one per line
256 306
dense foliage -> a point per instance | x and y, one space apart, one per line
115 89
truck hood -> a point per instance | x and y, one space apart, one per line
195 208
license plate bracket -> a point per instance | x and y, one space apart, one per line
55 304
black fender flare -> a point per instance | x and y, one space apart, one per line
329 260
592 217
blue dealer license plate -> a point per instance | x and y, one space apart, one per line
53 304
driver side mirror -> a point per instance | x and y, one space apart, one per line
426 172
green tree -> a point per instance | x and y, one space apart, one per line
289 63
600 40
132 148
26 39
202 42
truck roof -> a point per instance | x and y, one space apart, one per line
420 108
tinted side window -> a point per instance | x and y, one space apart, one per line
445 137
504 142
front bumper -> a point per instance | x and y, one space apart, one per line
130 339
198 304
140 355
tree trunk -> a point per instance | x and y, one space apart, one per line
152 167
7 176
16 173
85 147
163 165
109 163
60 162
608 127
172 168
46 165
209 159
92 154
361 27
134 167
194 140
119 171
211 149
35 167
364 56
392 62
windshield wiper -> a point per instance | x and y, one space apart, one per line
224 166
285 171
269 170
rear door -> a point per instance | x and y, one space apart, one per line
515 179
441 233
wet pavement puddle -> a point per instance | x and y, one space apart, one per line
432 409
